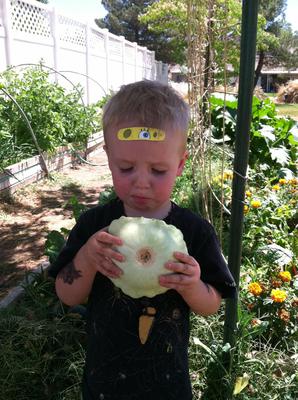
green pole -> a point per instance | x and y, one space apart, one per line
245 94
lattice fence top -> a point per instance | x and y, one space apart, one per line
30 19
72 31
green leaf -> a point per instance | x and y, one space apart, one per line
280 155
293 136
281 255
54 244
267 132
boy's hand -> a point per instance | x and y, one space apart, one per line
98 253
186 273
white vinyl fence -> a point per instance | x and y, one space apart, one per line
100 61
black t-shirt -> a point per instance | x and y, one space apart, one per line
118 366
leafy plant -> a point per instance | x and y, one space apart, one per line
57 117
273 144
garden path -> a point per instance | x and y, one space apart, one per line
31 212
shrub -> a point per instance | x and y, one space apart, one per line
288 93
57 117
273 140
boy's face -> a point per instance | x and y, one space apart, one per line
144 172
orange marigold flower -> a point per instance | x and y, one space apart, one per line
285 276
276 283
255 288
284 315
248 193
228 175
293 181
278 296
245 209
282 181
275 187
295 302
255 204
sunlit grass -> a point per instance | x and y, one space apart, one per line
290 110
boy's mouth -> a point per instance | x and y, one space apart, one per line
140 199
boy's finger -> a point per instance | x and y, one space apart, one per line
108 268
110 254
180 268
174 280
105 237
185 258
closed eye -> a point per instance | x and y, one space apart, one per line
158 171
126 170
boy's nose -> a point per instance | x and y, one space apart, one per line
142 181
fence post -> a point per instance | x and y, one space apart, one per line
88 59
153 68
8 32
148 64
144 49
165 72
106 44
135 45
55 35
122 38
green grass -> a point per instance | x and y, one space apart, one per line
42 354
271 95
290 110
41 347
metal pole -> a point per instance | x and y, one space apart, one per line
245 94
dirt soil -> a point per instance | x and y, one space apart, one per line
27 215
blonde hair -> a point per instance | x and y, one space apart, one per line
148 103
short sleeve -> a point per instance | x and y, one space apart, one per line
88 223
76 239
203 245
214 269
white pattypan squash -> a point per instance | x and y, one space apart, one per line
147 245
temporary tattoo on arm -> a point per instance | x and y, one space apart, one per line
69 273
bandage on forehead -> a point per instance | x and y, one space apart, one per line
141 133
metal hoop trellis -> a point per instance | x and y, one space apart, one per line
24 116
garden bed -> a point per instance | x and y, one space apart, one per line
27 215
32 169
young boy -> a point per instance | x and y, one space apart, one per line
145 130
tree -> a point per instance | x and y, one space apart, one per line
122 19
171 17
278 43
168 20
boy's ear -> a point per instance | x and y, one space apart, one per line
182 163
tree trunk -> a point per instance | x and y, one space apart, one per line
259 67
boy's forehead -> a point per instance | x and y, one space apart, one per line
141 133
130 132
